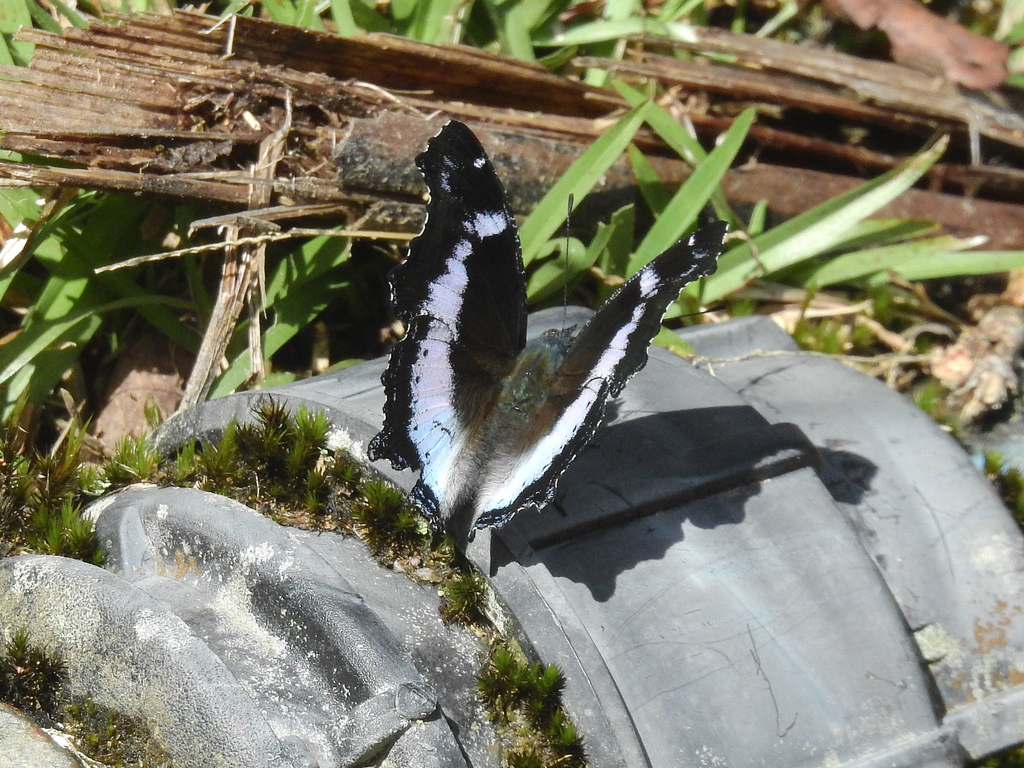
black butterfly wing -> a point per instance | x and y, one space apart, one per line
597 363
613 345
461 294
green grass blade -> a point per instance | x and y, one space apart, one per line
622 9
65 290
1011 21
613 244
549 214
306 15
954 263
598 32
165 321
559 58
434 21
72 15
82 238
345 23
240 7
298 290
818 230
37 337
558 271
673 342
680 214
41 18
15 14
36 379
667 127
676 9
537 13
755 226
788 10
403 10
367 18
511 20
676 135
862 264
654 193
281 11
18 207
306 265
872 233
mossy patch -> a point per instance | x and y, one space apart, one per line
525 702
930 396
282 466
1009 482
42 496
33 680
30 678
1011 758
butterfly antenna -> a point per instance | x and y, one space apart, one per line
565 281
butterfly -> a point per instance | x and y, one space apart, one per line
490 421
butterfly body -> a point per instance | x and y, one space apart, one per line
534 380
492 421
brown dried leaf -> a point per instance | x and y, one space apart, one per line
150 370
928 42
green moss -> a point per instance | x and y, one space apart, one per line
111 738
861 337
930 396
133 461
462 598
32 680
186 467
42 495
390 527
63 531
525 702
742 307
1009 481
888 304
829 336
280 465
890 307
524 757
218 463
15 486
62 475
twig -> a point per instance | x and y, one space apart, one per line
269 237
242 278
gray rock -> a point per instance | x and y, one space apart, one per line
235 641
327 674
23 744
127 652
